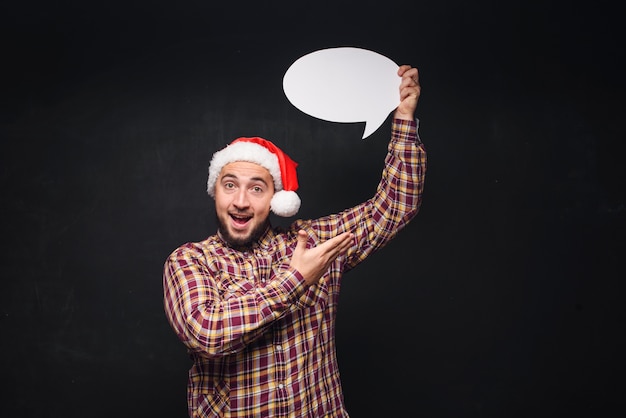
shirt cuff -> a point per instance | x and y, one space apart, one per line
406 129
293 284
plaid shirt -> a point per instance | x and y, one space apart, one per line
262 343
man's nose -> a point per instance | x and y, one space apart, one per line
241 198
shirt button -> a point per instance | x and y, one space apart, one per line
280 386
279 347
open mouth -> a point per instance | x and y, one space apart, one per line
239 219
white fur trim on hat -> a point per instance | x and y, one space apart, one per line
243 151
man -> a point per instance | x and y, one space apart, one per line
256 305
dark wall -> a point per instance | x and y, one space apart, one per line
503 298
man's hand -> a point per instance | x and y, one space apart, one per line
409 92
312 263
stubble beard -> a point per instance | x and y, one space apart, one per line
243 241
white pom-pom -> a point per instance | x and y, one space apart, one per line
285 203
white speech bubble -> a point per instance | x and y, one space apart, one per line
344 84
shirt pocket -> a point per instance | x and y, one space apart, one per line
229 287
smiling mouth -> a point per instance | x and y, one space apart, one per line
239 219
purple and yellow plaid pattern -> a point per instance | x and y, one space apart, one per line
261 342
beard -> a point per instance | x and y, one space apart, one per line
245 241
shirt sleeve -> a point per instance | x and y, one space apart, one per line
396 202
211 323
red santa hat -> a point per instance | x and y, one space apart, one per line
285 201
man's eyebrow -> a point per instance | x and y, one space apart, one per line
233 176
261 179
229 175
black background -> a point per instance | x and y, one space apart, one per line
504 297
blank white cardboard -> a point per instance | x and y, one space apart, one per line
344 84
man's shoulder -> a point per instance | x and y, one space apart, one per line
193 249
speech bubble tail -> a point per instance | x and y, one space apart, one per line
372 126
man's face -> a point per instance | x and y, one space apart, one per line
243 193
